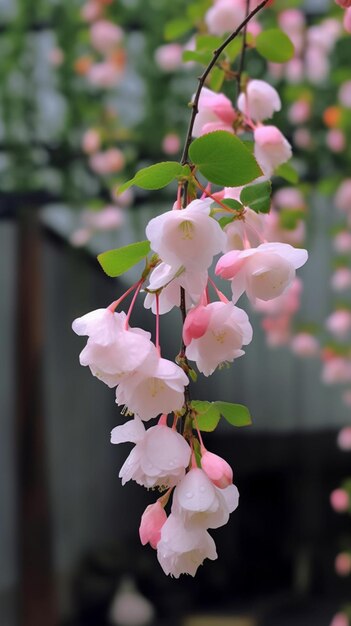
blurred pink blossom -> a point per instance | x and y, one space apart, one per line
105 36
107 162
344 436
169 57
340 500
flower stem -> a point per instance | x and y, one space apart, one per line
140 282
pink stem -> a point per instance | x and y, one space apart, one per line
260 237
132 303
220 295
158 324
116 303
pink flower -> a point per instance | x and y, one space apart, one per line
299 112
260 101
339 323
340 500
341 279
104 75
216 112
264 272
156 388
111 350
179 236
169 57
182 550
340 619
303 138
336 140
344 436
217 469
105 36
343 196
347 20
171 143
91 10
91 141
151 524
343 3
271 148
107 162
286 304
107 218
305 345
289 198
345 94
343 564
200 504
337 370
342 241
159 457
224 17
225 329
292 20
249 229
170 280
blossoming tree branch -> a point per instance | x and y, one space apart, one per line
221 207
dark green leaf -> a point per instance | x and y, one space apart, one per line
208 415
274 45
235 414
257 197
156 176
223 159
288 172
116 262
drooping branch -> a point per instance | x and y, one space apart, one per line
216 54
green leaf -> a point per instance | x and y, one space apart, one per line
208 415
230 203
224 221
257 197
176 28
235 414
156 176
216 79
274 45
202 57
208 42
288 172
116 262
234 48
196 10
223 159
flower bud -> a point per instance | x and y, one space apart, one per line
151 523
217 469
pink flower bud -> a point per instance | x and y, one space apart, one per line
151 524
224 17
343 564
344 436
340 500
271 148
196 323
342 241
217 469
339 323
340 619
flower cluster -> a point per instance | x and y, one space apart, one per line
203 227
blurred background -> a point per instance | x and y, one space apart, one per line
80 111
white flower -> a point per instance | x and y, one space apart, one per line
111 350
199 503
170 281
182 550
158 388
260 101
271 148
227 330
188 237
215 112
264 272
159 457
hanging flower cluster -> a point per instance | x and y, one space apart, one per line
203 223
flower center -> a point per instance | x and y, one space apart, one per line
187 229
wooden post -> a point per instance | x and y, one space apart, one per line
37 605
